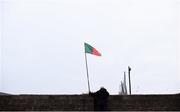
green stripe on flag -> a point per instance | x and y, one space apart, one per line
88 48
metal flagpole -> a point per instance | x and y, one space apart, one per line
129 69
87 72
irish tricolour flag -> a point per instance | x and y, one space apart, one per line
91 50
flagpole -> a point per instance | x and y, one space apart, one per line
129 69
87 72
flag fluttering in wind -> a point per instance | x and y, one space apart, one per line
91 50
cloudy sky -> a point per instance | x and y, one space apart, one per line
42 45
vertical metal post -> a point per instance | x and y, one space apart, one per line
87 72
129 69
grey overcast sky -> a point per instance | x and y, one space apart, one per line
42 48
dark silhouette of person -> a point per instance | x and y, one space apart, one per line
100 99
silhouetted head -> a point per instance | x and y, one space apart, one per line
102 89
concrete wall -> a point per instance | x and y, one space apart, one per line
85 102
